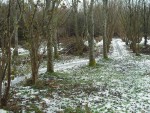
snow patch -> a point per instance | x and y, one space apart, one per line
142 41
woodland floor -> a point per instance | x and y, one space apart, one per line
120 84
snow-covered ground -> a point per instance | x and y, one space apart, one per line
118 85
119 49
3 111
61 66
72 64
142 41
21 51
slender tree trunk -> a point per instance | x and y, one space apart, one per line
78 40
5 98
34 64
85 19
16 29
92 61
0 83
54 35
50 66
34 39
130 26
145 41
34 57
137 47
56 55
145 24
105 56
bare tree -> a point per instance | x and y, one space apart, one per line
86 30
92 61
15 19
132 23
50 8
112 18
33 34
79 42
56 54
55 24
5 62
145 15
105 39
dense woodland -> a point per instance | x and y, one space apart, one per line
67 23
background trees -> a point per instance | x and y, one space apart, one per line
135 20
5 59
145 15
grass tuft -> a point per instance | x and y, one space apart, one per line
92 63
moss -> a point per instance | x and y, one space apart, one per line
12 77
56 56
106 58
92 63
14 71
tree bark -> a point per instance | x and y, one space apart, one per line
92 61
15 28
50 66
34 40
78 40
56 55
4 100
105 56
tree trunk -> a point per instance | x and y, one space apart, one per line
137 47
105 56
0 83
34 39
92 61
56 55
78 40
145 39
86 20
15 29
54 35
34 67
5 98
34 59
145 23
50 66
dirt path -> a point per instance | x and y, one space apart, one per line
119 49
67 66
76 63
